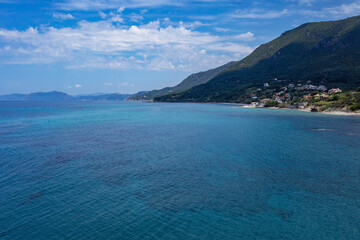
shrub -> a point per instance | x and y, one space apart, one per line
314 110
281 105
314 93
357 97
348 95
333 98
355 107
323 108
271 103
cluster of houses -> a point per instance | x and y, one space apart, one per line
334 90
307 87
323 95
317 96
283 96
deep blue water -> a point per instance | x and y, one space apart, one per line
176 171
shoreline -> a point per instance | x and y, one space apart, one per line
244 105
336 112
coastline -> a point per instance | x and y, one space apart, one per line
244 105
336 112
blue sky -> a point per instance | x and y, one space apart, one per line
91 46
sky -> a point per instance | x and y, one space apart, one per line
126 46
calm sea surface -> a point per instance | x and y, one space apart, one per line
137 170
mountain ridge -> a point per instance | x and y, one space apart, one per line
61 96
323 52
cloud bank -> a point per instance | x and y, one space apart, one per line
104 44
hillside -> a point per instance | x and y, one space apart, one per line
191 81
326 53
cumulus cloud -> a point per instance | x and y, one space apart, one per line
78 86
108 84
249 36
104 45
63 16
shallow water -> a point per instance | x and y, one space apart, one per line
133 170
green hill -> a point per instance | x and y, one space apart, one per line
326 53
191 81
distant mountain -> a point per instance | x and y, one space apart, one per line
326 53
38 96
191 81
92 94
105 97
60 96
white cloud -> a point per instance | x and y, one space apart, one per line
344 10
231 47
78 86
117 18
108 84
136 17
259 14
221 29
102 15
86 5
337 12
103 45
120 9
191 25
306 2
126 84
63 16
69 87
302 2
249 36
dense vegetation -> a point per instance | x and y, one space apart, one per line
348 101
327 53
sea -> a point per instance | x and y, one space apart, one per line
135 170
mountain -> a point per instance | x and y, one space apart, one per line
60 97
191 81
104 97
38 96
327 53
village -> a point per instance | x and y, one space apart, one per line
292 95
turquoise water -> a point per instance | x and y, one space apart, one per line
176 171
